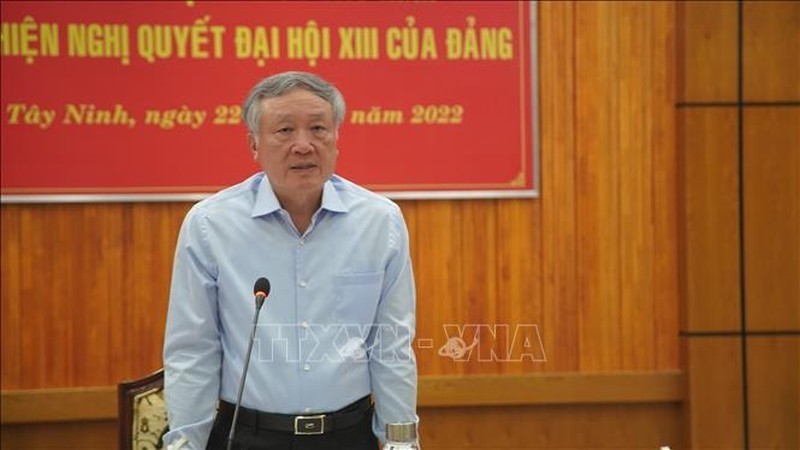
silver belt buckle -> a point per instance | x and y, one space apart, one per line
306 425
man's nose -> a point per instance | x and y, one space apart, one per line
303 142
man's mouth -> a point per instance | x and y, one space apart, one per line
302 166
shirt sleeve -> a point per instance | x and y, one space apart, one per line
392 365
192 349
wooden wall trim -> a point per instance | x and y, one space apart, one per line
100 403
58 405
551 389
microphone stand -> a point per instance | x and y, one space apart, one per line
259 303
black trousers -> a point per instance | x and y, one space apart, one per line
357 437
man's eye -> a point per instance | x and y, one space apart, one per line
284 130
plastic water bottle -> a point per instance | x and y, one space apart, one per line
401 436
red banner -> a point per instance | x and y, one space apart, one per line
107 98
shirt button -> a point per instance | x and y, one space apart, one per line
304 324
303 284
302 242
306 367
308 409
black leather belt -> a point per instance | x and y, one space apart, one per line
300 425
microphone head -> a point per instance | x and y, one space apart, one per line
261 288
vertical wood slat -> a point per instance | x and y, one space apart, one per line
558 202
152 252
10 306
438 279
597 151
41 345
661 94
635 186
100 259
479 278
519 299
27 325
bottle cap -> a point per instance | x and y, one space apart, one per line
401 432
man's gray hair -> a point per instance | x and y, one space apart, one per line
280 84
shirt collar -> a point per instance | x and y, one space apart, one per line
266 201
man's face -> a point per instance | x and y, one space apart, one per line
296 145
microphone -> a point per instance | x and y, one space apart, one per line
260 291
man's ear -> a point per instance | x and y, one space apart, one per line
252 144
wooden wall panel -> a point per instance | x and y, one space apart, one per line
592 262
714 397
773 364
88 292
707 49
771 43
772 217
710 203
740 165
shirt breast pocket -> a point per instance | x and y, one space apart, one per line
357 296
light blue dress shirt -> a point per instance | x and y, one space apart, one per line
337 325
